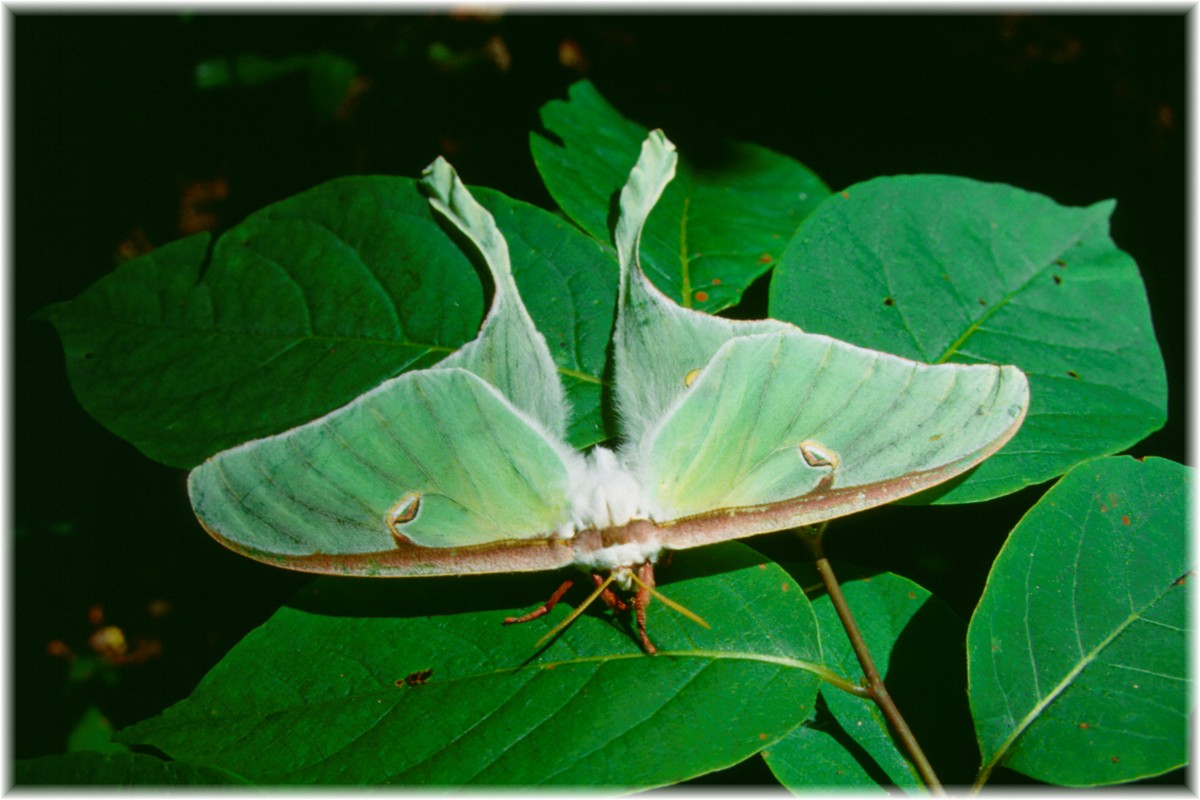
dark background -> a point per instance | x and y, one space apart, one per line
110 131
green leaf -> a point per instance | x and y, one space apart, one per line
1077 653
309 303
947 269
319 694
917 644
722 222
93 731
116 769
809 759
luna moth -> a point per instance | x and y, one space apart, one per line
728 429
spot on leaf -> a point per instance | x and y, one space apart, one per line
888 301
1125 518
1058 280
765 258
1073 373
701 296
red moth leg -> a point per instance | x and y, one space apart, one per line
545 607
608 595
641 600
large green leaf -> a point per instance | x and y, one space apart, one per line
318 693
917 644
116 769
722 222
1077 653
947 269
307 304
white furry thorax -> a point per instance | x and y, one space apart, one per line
606 494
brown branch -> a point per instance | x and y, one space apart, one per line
878 692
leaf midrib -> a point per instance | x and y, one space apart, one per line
1005 300
713 655
685 287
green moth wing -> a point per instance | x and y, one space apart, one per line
655 340
792 419
747 427
509 352
431 459
428 472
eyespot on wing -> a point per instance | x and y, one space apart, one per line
405 510
816 454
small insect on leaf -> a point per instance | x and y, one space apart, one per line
690 378
415 678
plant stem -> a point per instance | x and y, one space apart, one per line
812 538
